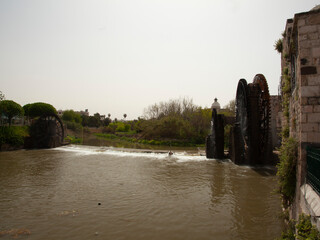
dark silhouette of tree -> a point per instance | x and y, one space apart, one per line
124 116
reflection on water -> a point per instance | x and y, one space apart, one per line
99 193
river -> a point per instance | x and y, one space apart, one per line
82 192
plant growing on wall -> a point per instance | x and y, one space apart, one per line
287 170
301 229
278 45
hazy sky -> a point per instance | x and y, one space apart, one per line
120 56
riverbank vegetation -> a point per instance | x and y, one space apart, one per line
13 137
173 123
176 123
301 229
15 121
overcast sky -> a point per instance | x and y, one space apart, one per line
120 56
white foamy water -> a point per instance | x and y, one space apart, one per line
178 156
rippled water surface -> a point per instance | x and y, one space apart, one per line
99 193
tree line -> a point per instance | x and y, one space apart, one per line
177 119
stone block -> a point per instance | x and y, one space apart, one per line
310 91
315 52
313 117
304 101
314 80
304 52
304 81
304 137
313 36
316 108
307 109
313 101
315 61
303 41
307 28
303 118
301 22
309 127
313 19
315 42
314 137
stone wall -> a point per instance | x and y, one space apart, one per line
301 55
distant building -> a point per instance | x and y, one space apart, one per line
60 113
82 113
215 105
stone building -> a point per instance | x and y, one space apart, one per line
300 84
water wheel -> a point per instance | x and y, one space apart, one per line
246 127
215 141
251 130
48 131
264 113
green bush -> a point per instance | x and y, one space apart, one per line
13 135
73 126
302 230
287 170
73 140
71 116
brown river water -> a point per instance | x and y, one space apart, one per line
81 192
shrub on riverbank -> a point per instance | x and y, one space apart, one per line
176 119
13 136
73 139
132 139
301 230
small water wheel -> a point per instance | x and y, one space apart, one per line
215 141
47 131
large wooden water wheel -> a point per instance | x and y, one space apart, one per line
264 113
47 131
251 130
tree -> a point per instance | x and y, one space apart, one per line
107 121
38 109
10 109
124 116
109 115
231 106
94 121
2 97
71 116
